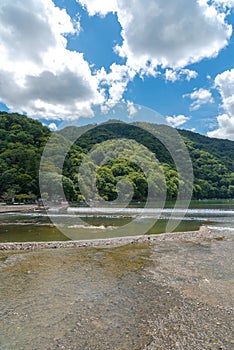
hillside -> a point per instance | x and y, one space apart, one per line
21 144
221 149
213 159
22 141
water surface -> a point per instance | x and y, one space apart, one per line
37 226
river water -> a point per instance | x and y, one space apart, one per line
168 295
38 226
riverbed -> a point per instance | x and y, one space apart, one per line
170 294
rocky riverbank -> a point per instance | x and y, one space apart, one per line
17 208
204 234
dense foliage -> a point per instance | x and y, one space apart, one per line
22 141
213 165
212 159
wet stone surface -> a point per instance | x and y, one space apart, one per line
141 296
75 299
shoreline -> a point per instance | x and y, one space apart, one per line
17 208
202 235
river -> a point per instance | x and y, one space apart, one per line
168 295
38 226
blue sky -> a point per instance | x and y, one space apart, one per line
77 61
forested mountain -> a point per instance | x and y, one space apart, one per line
213 159
22 141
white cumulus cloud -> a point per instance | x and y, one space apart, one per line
116 81
99 7
132 110
174 75
224 82
38 75
160 33
177 120
225 3
200 97
225 128
53 126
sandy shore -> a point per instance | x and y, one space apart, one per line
204 234
17 208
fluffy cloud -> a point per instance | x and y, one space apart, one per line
38 75
200 97
164 32
53 126
177 120
132 110
99 7
116 81
224 3
174 75
225 129
224 82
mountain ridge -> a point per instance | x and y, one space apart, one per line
22 141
